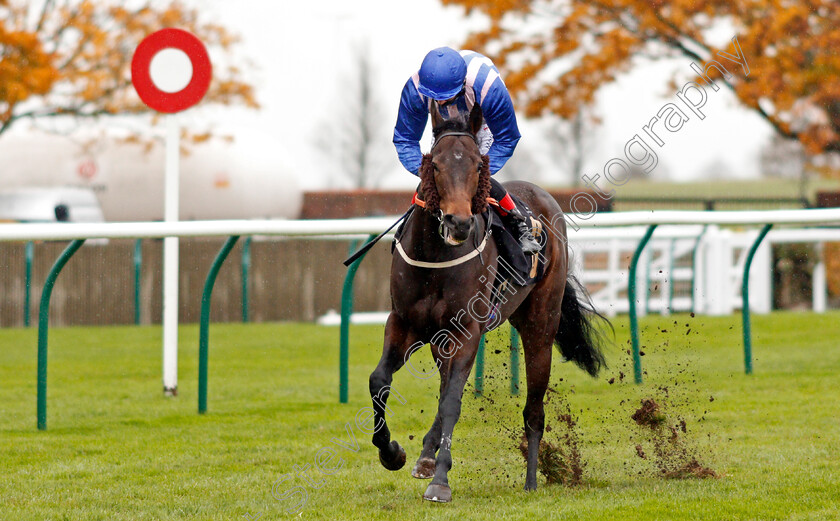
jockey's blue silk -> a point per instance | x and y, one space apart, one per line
483 86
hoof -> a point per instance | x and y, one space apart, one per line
424 469
398 462
438 493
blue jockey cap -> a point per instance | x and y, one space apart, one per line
442 74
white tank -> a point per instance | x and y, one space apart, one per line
247 179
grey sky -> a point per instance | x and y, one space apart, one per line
302 49
302 53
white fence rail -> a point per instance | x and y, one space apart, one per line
706 261
718 273
135 230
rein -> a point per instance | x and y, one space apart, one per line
447 264
422 204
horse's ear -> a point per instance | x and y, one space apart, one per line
476 119
437 119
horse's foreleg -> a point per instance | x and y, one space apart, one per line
397 343
425 466
449 409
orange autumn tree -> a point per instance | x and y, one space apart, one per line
557 54
72 58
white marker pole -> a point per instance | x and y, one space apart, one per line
170 259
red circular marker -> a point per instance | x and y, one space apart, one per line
170 102
87 169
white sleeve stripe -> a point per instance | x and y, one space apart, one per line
415 78
491 77
472 71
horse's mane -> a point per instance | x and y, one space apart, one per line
430 194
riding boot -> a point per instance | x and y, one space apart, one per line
519 222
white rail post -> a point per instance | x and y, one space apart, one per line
614 275
761 280
818 283
718 270
170 259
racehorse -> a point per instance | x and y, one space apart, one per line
437 281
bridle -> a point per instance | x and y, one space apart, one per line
478 247
439 214
453 133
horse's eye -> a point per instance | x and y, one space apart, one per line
434 165
479 167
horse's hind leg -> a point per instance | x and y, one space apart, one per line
537 344
398 340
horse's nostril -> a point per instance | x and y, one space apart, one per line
449 219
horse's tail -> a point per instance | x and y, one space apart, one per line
577 338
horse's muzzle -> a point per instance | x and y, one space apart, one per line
456 229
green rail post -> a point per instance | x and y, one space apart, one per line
745 299
29 255
514 361
43 327
694 268
138 270
246 267
344 334
631 296
479 368
646 275
204 324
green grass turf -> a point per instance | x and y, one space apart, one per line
117 449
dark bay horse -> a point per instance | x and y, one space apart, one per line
440 284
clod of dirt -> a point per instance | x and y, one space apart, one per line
560 463
672 457
692 469
557 465
640 452
648 415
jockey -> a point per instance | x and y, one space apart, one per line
456 81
